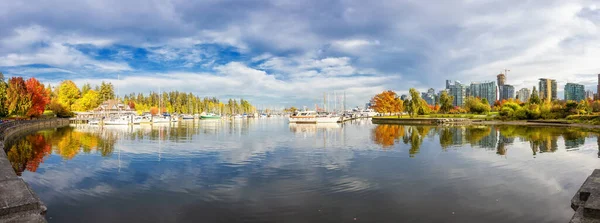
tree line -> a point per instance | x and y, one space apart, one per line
30 98
388 102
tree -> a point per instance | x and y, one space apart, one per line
415 104
535 98
107 91
446 102
17 100
89 101
38 96
386 102
85 88
3 88
68 93
477 106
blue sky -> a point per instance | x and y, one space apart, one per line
283 53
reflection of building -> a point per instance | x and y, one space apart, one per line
547 89
458 91
574 92
546 144
523 94
483 90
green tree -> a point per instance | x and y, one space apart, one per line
68 93
107 91
415 104
535 97
85 88
446 102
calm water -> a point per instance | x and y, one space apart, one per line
269 171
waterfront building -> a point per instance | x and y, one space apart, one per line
589 95
574 92
429 96
547 89
458 91
598 88
524 94
487 90
507 92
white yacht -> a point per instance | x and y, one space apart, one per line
121 120
313 117
160 119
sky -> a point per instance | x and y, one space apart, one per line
289 53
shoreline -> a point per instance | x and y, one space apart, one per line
18 202
463 121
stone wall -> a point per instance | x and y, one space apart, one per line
18 203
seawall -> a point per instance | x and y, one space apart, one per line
18 203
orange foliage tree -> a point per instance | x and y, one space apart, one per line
387 102
38 97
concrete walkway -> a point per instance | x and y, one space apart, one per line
18 203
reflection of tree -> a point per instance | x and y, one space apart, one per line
28 152
415 137
386 135
481 136
446 137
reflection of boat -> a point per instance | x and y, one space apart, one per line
313 117
122 120
160 119
94 121
187 117
313 127
210 116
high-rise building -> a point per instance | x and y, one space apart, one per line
524 94
598 88
458 91
485 90
589 95
507 92
501 79
574 92
547 89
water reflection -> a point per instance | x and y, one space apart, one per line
269 171
27 153
541 140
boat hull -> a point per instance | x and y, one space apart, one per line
314 119
210 117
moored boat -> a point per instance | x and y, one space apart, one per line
313 117
210 116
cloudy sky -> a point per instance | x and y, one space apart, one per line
288 52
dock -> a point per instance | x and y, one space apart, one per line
586 202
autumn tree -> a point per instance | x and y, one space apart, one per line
88 101
38 97
85 88
446 102
3 88
17 100
68 93
387 102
